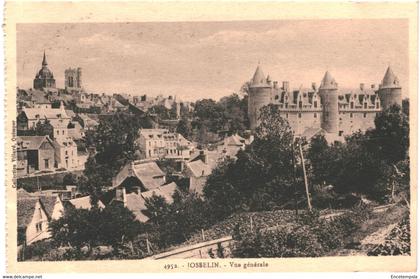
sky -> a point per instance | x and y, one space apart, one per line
195 60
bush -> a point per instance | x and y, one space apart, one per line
308 236
289 241
397 242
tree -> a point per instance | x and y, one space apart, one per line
184 128
176 222
70 179
261 177
113 226
44 129
390 138
115 142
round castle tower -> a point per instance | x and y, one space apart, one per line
259 96
329 100
390 90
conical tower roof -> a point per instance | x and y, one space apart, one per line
259 76
390 79
259 79
328 82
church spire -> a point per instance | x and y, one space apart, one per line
44 60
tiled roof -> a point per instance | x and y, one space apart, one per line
199 168
146 172
49 113
31 142
136 204
84 203
165 191
26 206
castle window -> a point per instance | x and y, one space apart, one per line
340 133
300 115
351 115
377 105
287 115
351 105
300 104
364 115
315 115
286 105
315 104
277 97
365 104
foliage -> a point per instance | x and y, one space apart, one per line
308 236
366 162
184 128
70 179
162 112
42 128
397 242
390 138
113 226
174 223
211 117
115 142
261 177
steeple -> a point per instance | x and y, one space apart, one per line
44 61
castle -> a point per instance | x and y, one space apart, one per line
326 108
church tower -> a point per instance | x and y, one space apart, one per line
390 90
259 96
44 78
329 100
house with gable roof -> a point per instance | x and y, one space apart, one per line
35 153
34 212
138 181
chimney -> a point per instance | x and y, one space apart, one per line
313 86
362 86
285 86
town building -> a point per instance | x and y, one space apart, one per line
197 171
34 213
337 112
230 146
35 153
29 117
138 181
44 79
160 143
66 155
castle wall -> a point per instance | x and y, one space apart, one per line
352 121
299 121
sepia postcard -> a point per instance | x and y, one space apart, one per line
211 136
